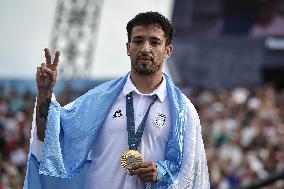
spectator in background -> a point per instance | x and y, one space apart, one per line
244 133
270 22
15 119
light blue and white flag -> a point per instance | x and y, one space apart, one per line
69 137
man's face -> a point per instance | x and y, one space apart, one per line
147 49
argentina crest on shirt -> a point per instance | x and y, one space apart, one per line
160 120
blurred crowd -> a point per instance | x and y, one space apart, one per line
243 132
15 126
254 18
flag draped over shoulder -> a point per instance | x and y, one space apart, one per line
71 132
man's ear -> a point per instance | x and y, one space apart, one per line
169 50
127 48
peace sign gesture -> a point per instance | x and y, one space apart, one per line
47 73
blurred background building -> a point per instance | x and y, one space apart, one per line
228 59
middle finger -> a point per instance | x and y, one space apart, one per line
47 56
143 171
56 59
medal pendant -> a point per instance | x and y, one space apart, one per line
130 158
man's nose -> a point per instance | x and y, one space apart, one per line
146 47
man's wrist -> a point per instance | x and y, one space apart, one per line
42 96
43 101
43 108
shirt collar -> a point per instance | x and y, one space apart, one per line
160 91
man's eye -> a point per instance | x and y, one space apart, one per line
155 43
137 41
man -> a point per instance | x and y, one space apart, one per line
138 131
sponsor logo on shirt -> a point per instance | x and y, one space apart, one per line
117 113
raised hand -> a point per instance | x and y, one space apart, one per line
47 73
45 79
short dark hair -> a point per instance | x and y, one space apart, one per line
151 18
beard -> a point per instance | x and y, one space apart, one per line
149 68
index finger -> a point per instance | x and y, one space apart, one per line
143 165
47 56
134 167
56 59
142 171
147 164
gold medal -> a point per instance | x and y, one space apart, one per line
130 158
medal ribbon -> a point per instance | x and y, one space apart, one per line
134 139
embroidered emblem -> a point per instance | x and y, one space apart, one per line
160 120
117 113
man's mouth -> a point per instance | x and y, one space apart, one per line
145 58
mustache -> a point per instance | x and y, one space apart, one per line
145 56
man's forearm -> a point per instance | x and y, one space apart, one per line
43 102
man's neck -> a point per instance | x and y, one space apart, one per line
146 84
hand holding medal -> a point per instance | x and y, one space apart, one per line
132 162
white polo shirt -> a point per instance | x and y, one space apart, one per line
105 170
